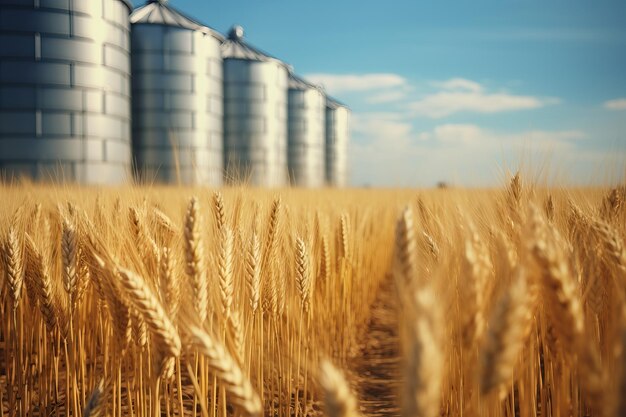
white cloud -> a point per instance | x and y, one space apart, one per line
472 136
458 134
381 127
617 104
386 97
446 103
456 84
336 83
386 150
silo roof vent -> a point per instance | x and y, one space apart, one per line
235 47
236 33
158 12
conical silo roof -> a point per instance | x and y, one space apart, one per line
159 12
234 47
299 83
333 103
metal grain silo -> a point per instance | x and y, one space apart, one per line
65 90
255 113
306 133
177 97
337 137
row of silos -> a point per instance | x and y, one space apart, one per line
204 108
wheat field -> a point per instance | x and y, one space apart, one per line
243 302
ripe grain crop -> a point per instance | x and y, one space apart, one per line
172 301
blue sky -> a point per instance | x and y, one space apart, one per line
457 91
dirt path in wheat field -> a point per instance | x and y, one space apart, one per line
376 368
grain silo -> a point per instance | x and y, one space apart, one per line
177 97
337 137
255 113
306 133
65 90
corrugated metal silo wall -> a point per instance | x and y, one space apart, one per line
65 90
306 133
337 137
255 122
177 105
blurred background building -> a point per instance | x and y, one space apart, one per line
205 109
337 138
65 90
255 113
306 133
177 97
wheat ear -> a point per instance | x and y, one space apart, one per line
148 248
505 338
424 359
344 235
83 275
240 391
219 210
225 270
165 224
139 329
560 290
611 243
340 401
96 406
37 273
270 288
69 249
14 266
107 284
405 250
170 285
478 264
253 272
194 256
156 319
303 277
326 268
